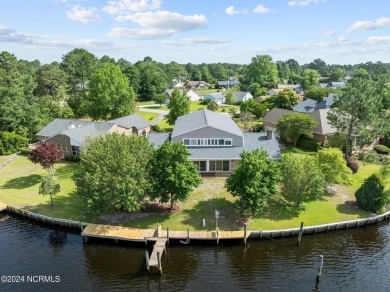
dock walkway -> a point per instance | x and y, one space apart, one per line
155 258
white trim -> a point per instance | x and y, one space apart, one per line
203 140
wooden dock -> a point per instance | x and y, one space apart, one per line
117 232
3 207
155 259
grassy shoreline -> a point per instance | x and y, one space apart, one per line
20 180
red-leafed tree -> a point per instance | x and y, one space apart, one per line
47 155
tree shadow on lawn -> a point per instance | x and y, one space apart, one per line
22 182
278 209
206 210
352 208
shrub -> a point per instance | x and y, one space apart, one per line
371 196
353 164
157 128
25 151
382 149
11 143
205 101
369 157
309 144
72 158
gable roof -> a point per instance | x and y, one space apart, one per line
229 83
275 114
205 118
242 94
130 121
78 135
323 127
310 105
58 125
214 96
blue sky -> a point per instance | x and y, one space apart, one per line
197 31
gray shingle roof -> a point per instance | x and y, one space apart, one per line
78 135
252 141
205 118
306 106
323 127
58 125
229 83
214 96
275 114
131 121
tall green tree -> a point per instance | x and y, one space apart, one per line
179 105
356 113
319 93
294 67
110 96
153 80
302 178
51 80
253 182
79 65
337 74
285 99
173 175
310 78
319 66
114 173
333 166
262 71
294 125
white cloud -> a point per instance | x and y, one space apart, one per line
378 39
196 40
218 48
261 9
231 10
369 25
304 2
123 7
167 20
342 39
144 33
84 15
329 33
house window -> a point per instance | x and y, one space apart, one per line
76 151
219 165
208 142
201 165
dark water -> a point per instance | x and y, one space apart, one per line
354 260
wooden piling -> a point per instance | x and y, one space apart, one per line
320 268
300 234
147 262
245 230
217 233
188 235
167 235
159 262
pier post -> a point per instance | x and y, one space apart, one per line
300 234
188 235
320 268
147 262
159 262
245 230
167 235
81 226
217 232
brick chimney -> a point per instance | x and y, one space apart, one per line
269 134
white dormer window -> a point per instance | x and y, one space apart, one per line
208 142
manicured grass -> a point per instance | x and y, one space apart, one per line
4 158
20 181
147 116
165 127
297 150
138 103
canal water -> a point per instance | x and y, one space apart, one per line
44 258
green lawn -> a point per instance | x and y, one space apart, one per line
20 181
4 158
147 116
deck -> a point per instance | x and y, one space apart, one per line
3 207
158 250
117 232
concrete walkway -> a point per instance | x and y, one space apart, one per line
9 160
161 113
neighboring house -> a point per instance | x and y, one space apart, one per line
273 91
178 85
228 83
336 85
318 110
71 135
218 97
323 85
215 141
193 95
242 96
198 84
296 87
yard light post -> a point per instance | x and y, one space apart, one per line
216 218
